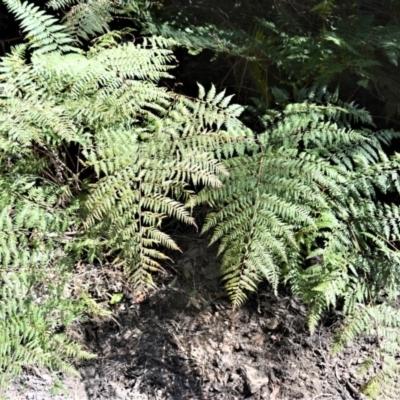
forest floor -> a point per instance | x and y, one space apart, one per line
185 341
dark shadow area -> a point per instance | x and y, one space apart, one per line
186 341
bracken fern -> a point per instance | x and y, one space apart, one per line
96 154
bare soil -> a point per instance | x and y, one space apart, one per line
185 341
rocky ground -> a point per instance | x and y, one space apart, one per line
185 341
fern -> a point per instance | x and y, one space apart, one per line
98 100
294 44
306 192
87 19
269 195
382 323
31 328
41 29
34 271
311 179
96 154
147 179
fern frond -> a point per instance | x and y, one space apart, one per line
34 270
43 33
174 148
382 322
269 196
87 19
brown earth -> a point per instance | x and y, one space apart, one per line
185 341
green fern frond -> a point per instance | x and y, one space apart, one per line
383 323
310 178
60 4
90 18
34 270
173 149
269 196
110 96
41 30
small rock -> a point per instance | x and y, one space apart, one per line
234 377
217 387
254 381
224 362
119 393
303 376
265 395
225 348
272 323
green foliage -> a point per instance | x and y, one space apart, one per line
32 324
95 154
35 246
41 29
311 179
302 206
380 322
147 179
85 19
35 268
295 44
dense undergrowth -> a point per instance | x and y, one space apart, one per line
96 153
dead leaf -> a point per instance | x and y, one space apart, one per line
195 303
272 323
258 339
274 393
141 297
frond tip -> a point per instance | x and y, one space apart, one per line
42 30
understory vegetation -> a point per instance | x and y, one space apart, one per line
302 180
